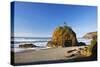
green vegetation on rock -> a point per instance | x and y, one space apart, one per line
63 36
92 49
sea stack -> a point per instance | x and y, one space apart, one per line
63 36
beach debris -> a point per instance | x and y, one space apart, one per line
71 51
71 55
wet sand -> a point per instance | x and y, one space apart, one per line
50 54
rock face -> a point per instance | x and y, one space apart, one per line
27 46
81 44
90 35
63 36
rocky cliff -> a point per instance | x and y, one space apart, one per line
90 35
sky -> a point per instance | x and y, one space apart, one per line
41 19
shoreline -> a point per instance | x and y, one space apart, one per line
50 54
17 49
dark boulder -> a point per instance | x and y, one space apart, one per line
81 44
27 46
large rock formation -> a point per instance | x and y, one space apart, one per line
63 36
90 35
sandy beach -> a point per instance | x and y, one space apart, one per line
50 54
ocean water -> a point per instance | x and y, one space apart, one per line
38 41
